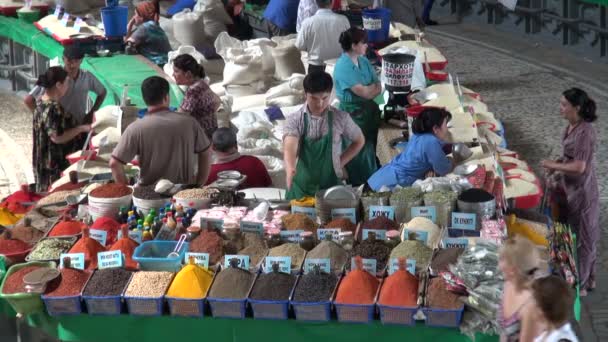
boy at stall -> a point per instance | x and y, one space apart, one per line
553 299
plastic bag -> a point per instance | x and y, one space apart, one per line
449 183
188 28
223 43
214 16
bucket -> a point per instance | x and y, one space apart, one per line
398 71
377 23
107 207
144 206
115 20
29 16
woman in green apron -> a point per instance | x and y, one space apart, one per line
356 87
312 141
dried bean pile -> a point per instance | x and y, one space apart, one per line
58 196
149 284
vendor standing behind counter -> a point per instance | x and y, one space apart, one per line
166 143
356 87
312 141
424 152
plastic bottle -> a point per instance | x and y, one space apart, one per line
179 228
171 221
147 235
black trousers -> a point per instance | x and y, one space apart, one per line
315 68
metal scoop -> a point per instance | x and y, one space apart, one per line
180 243
36 281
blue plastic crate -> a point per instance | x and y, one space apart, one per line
397 315
105 306
443 317
227 308
152 256
312 312
355 313
185 307
144 306
63 306
270 309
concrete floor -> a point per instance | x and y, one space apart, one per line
521 81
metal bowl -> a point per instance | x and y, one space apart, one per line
461 152
104 53
227 183
465 170
230 174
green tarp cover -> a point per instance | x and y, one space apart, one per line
114 72
126 328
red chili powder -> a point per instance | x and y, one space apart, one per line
111 190
209 241
14 282
70 284
67 227
12 246
357 287
110 226
90 247
400 288
127 246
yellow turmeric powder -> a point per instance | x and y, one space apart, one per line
518 227
192 281
7 218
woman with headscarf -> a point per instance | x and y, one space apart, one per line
147 38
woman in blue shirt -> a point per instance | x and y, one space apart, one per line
424 152
356 87
148 38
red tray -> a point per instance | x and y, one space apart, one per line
11 11
436 75
62 41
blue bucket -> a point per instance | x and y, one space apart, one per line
377 22
115 20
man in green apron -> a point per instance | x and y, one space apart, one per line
356 87
312 141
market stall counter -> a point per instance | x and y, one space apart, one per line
131 328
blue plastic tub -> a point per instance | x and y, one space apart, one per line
377 23
63 306
443 317
397 315
104 306
227 308
185 307
115 20
143 306
152 256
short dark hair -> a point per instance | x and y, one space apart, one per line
154 89
51 77
553 297
73 52
323 3
429 118
318 82
579 98
187 63
353 35
224 139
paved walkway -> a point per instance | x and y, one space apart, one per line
521 84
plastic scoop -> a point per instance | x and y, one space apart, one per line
180 243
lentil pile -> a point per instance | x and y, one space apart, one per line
329 249
315 287
438 297
14 282
56 197
149 284
146 192
198 193
232 283
50 249
67 227
209 241
400 288
357 287
444 258
292 250
342 223
192 281
372 249
111 190
70 283
273 286
411 249
299 221
107 282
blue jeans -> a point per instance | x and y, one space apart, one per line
426 11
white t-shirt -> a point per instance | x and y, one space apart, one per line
564 333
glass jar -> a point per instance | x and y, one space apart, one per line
347 240
393 238
273 238
192 232
307 241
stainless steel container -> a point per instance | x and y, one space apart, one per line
483 210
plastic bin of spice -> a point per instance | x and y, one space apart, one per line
106 305
316 311
441 317
62 245
24 303
227 307
397 301
71 304
272 309
189 307
145 294
153 256
356 313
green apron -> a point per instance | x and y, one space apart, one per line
315 167
367 116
